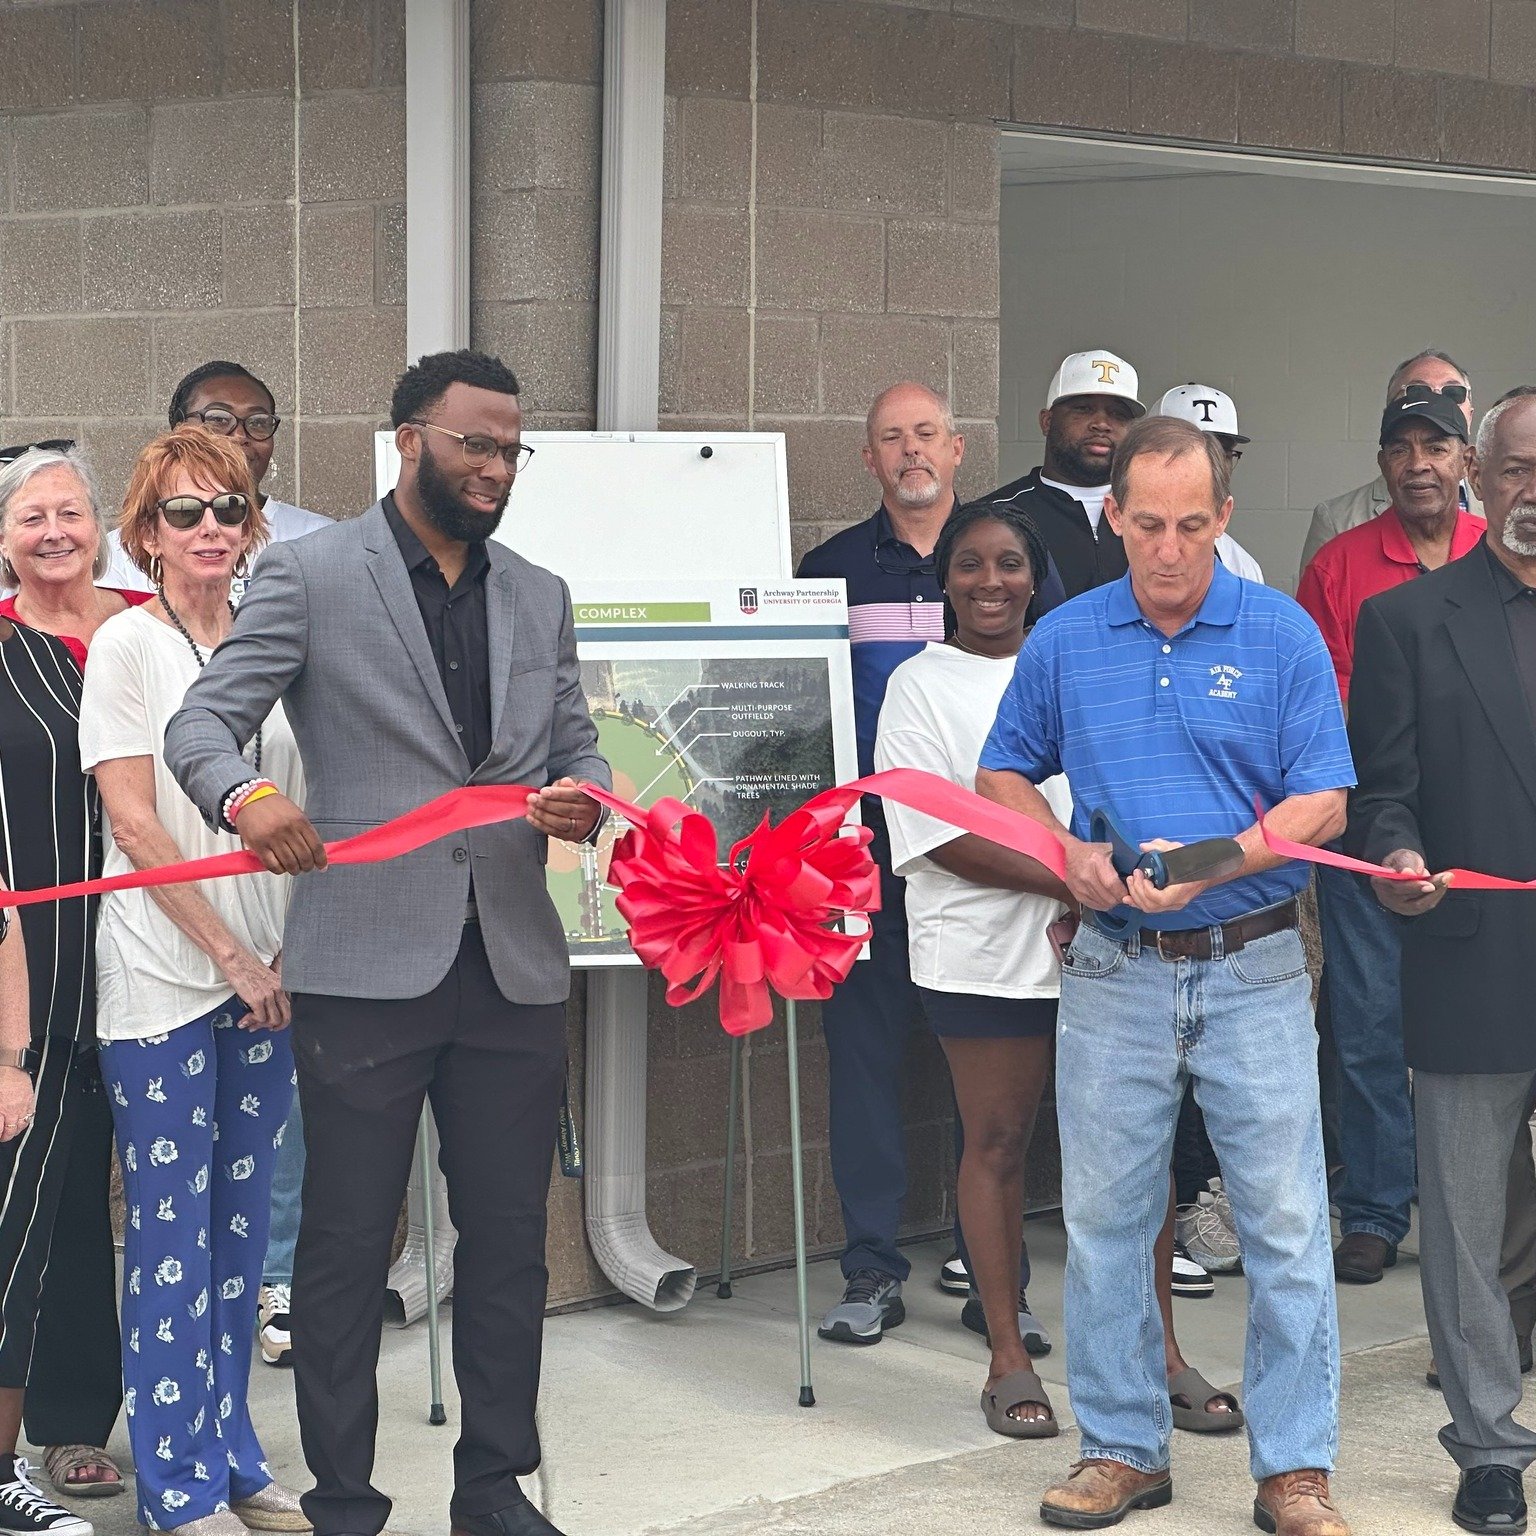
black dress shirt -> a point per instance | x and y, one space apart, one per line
1520 614
455 621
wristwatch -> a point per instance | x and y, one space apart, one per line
22 1059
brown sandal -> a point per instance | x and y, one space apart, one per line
1188 1394
64 1465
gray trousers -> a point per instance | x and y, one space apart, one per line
1517 1261
1466 1125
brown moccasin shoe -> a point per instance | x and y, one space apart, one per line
1101 1492
1298 1504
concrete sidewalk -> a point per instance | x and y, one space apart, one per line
687 1425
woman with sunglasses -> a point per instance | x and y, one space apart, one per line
191 1008
229 400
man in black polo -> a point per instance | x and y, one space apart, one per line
1091 402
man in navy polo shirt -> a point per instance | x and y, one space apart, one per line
1174 698
895 608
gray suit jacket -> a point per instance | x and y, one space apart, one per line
330 626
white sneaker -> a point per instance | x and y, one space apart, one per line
24 1508
272 1325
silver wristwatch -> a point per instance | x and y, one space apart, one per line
22 1059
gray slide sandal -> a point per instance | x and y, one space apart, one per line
1014 1390
1192 1414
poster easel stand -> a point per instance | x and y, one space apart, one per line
797 1175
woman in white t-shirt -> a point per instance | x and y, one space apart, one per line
191 1008
977 919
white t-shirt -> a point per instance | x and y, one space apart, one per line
150 976
1091 497
1237 559
963 937
284 520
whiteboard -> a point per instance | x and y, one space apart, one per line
643 504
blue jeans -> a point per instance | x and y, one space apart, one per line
1133 1029
287 1189
196 1113
1362 949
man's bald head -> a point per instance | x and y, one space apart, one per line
912 448
910 392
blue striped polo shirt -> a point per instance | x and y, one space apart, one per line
1177 735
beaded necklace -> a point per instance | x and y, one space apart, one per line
197 651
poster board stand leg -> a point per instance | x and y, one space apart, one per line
723 1289
436 1413
797 1162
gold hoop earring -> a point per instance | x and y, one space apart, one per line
156 572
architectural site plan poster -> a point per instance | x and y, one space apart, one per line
732 697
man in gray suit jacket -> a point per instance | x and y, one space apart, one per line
413 657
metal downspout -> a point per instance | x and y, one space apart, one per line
628 385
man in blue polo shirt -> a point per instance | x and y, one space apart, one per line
1174 697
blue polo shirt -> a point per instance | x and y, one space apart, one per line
895 608
1177 735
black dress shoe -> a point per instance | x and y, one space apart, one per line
1361 1257
1490 1499
519 1519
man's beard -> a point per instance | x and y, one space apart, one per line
1519 535
924 494
1074 465
446 512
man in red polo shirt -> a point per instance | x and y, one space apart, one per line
1423 458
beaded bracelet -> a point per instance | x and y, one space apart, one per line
236 798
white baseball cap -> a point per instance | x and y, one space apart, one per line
1208 408
1094 373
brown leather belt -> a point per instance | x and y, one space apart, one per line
1199 943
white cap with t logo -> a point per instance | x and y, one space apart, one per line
1094 373
1208 408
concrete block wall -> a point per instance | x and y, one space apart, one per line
186 179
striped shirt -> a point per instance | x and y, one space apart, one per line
1178 735
48 826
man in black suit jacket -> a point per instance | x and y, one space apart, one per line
1443 727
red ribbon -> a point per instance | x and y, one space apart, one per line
1461 879
771 918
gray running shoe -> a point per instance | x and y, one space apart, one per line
871 1303
1206 1229
1036 1340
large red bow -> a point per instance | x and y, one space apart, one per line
766 918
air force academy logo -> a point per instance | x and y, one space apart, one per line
1224 681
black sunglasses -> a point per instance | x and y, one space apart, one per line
1456 393
54 444
185 512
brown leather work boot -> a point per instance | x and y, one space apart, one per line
1100 1492
1298 1504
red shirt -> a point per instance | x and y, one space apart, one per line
1359 563
74 646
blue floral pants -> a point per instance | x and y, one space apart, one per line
198 1114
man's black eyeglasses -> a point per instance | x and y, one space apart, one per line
259 425
479 451
53 444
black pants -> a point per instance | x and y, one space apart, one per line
1194 1158
58 1325
494 1070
